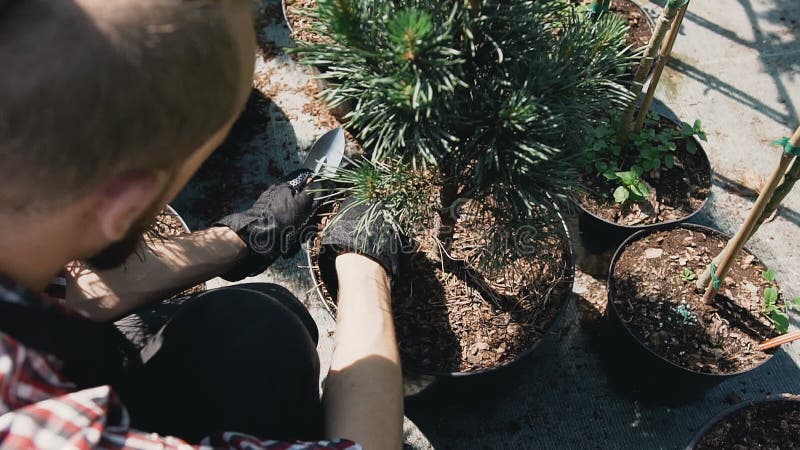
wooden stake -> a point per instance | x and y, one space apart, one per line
777 193
666 51
780 340
749 226
792 175
664 24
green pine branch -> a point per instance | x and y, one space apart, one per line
490 94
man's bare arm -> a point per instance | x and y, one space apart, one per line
161 269
363 395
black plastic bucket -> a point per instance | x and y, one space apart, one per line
739 406
637 370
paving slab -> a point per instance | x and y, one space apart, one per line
735 67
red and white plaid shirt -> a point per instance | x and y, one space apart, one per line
39 408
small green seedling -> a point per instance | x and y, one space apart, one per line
688 275
774 310
631 186
693 130
648 152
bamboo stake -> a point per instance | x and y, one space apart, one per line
666 51
792 175
780 340
664 23
749 226
763 202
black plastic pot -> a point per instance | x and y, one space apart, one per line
637 370
739 406
568 279
599 235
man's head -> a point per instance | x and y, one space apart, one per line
107 107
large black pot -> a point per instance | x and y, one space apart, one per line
739 406
598 235
636 369
564 289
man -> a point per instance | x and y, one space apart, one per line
107 108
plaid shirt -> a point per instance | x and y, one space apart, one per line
39 408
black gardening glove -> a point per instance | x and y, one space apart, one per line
379 242
275 224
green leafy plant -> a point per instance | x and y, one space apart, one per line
649 151
688 275
631 186
641 144
695 129
776 310
498 96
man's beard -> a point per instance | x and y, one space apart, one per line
117 253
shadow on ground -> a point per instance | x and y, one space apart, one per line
778 53
234 176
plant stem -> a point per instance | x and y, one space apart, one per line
750 225
664 23
666 51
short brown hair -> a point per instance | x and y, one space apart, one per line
128 85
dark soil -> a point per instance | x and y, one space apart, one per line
453 318
669 316
773 425
675 194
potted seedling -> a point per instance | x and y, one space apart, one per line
691 338
642 170
769 422
470 113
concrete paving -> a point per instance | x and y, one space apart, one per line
735 67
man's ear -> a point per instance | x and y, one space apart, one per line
121 202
